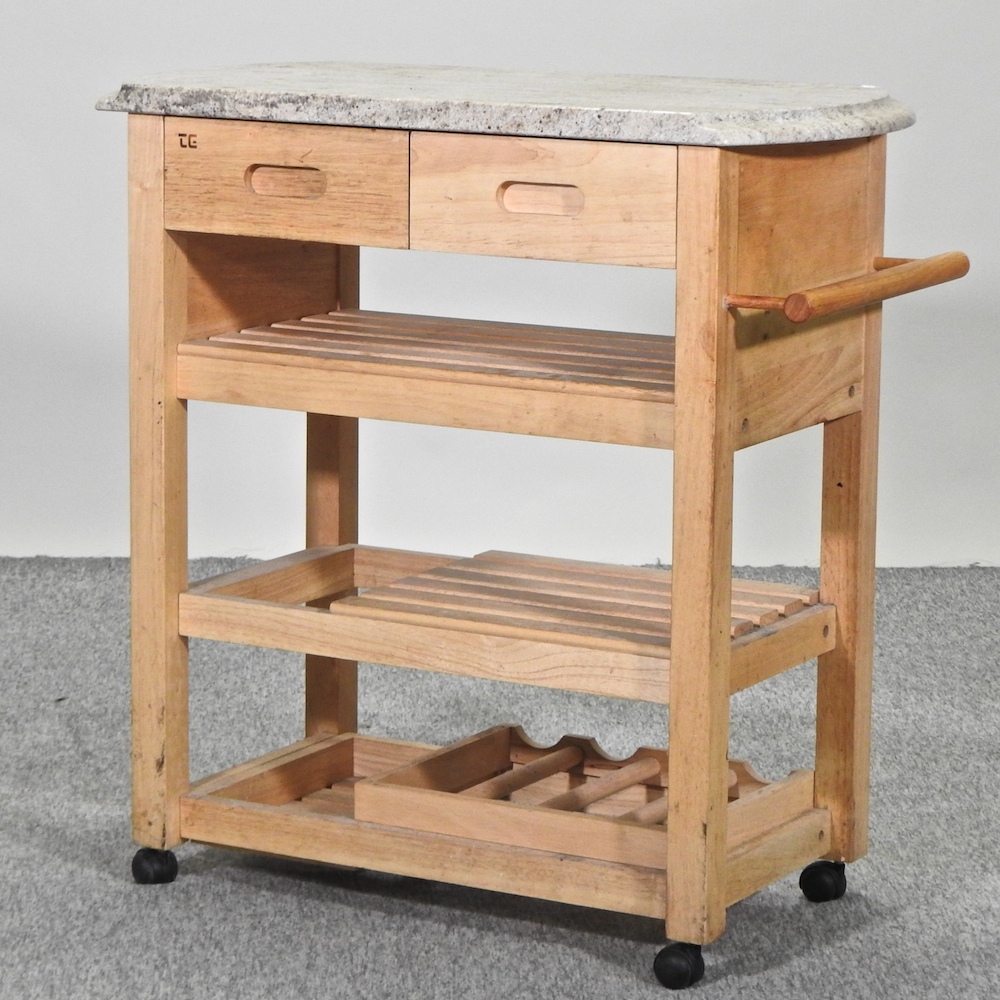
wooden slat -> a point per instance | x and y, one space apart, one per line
293 775
599 342
376 567
480 363
546 343
598 603
475 575
445 591
452 768
539 607
650 605
634 577
294 578
528 358
306 768
652 374
376 755
315 762
777 591
538 630
224 779
338 840
528 565
319 571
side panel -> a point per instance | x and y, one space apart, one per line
802 223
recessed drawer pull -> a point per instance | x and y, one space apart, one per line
540 199
286 182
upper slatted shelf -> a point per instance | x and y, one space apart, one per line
561 382
465 347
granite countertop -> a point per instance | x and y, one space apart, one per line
655 109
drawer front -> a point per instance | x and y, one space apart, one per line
305 182
556 199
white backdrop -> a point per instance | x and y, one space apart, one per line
63 403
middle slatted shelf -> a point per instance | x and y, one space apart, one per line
557 623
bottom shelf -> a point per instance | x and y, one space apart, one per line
495 811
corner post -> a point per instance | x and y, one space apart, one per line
332 519
847 576
158 445
702 545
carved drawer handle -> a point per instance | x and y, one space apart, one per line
285 182
523 198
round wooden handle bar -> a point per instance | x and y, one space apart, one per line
892 276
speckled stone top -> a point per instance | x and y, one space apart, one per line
655 109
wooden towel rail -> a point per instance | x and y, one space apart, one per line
892 276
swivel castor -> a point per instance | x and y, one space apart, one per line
150 866
823 881
679 965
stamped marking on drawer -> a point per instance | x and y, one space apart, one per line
321 183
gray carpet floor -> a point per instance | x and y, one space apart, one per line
921 917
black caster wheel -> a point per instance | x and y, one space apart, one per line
150 866
823 881
679 965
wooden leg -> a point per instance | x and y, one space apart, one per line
847 580
332 519
157 316
702 550
844 680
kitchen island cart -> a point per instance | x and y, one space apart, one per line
251 190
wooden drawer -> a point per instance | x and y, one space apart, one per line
558 199
305 182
